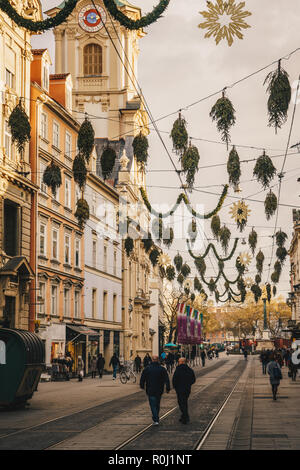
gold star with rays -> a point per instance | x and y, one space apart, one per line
225 20
245 258
164 260
239 211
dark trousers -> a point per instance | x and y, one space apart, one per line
154 402
264 367
182 398
100 373
203 361
274 390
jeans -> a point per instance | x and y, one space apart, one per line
264 367
154 402
182 399
115 368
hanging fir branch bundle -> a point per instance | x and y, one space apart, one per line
264 170
270 205
185 270
224 236
281 238
147 242
257 279
79 170
240 267
52 177
200 265
211 285
168 236
275 277
197 284
193 297
154 256
224 114
108 159
281 253
140 146
260 261
82 212
170 273
189 162
178 261
280 94
215 226
234 168
274 291
269 292
86 139
252 240
180 278
278 267
179 136
20 128
257 292
129 245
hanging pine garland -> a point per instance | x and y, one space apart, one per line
211 285
215 226
257 292
223 112
224 236
178 261
275 277
52 177
140 146
234 168
185 270
270 205
281 238
20 128
269 293
36 26
129 246
264 170
257 279
240 267
280 94
143 22
79 170
281 253
260 261
154 256
82 212
147 242
274 291
179 136
170 273
252 240
108 159
180 278
189 162
86 139
278 268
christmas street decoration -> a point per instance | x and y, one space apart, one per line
164 260
146 20
225 20
223 113
240 213
248 282
245 259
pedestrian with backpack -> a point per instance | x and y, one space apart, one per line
275 374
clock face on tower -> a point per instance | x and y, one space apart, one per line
90 19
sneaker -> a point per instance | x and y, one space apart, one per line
155 423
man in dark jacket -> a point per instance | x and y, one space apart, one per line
137 363
115 363
100 365
183 379
155 377
147 360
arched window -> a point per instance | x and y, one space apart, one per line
92 60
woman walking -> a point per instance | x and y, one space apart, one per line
275 374
80 368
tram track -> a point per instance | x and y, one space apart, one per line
51 432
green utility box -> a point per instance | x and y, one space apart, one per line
22 358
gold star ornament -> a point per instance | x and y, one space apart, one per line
225 20
245 259
240 212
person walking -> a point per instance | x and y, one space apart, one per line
80 369
203 357
147 360
275 374
245 352
217 353
93 366
183 379
100 365
115 363
156 378
264 361
138 363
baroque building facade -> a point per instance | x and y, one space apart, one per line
18 192
101 56
294 252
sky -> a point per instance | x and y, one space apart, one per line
179 67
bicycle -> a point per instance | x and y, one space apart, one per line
127 374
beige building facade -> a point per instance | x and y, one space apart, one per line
294 253
17 190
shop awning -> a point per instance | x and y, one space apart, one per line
83 330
